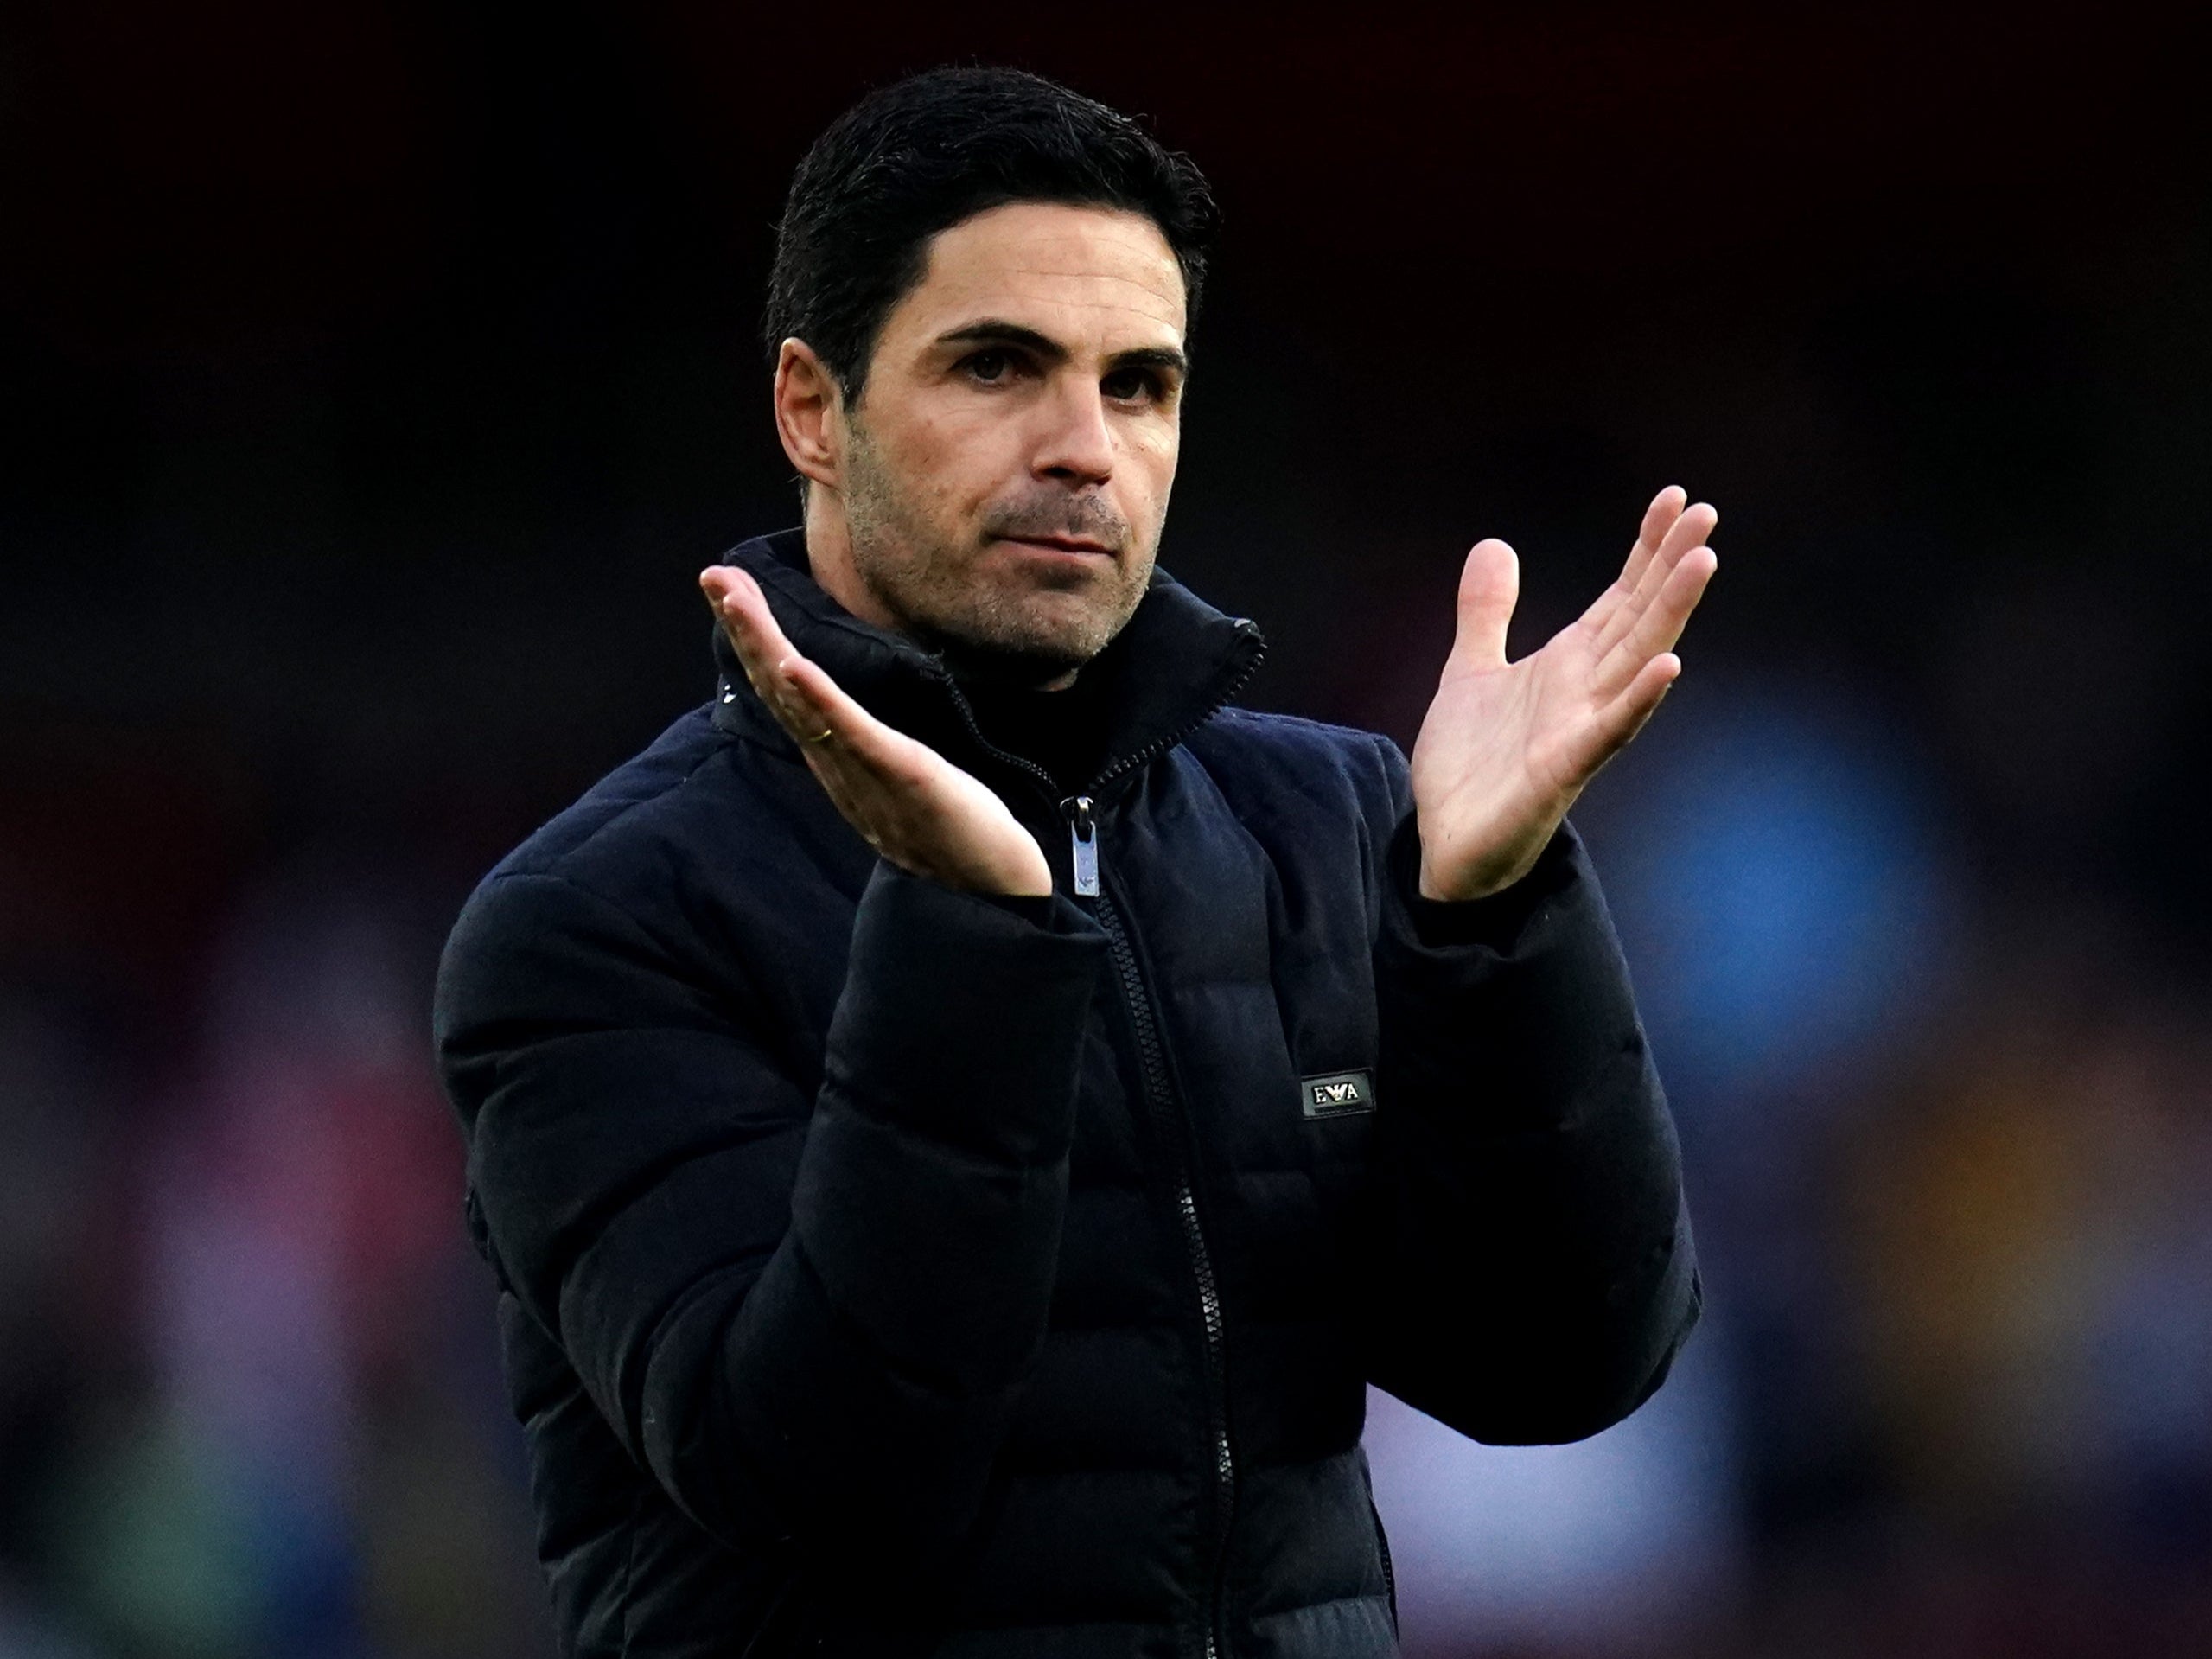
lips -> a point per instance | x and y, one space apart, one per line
1062 543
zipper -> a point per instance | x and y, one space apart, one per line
1172 1127
1082 845
1160 746
1049 786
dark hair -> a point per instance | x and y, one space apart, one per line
919 156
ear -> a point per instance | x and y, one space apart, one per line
809 413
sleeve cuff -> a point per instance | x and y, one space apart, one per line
1039 910
962 1018
1495 920
1527 994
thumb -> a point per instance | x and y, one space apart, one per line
1489 583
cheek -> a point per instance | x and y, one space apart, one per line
959 461
1149 461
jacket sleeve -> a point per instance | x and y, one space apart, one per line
805 1316
1536 1270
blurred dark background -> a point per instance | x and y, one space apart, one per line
377 377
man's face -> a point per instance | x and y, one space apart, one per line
1007 467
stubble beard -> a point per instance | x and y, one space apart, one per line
932 587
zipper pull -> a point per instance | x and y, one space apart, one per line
1083 844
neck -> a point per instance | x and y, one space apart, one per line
1006 669
829 554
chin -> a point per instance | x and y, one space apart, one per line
1031 647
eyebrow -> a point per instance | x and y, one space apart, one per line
992 331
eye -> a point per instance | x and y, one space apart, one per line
1141 384
990 365
1131 385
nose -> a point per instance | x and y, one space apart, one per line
1075 445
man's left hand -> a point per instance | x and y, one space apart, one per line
1508 746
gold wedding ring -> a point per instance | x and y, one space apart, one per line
824 736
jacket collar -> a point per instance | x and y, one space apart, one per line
1175 663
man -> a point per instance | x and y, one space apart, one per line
960 1121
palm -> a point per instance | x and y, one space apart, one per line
1508 746
908 802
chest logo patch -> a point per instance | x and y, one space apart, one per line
1337 1094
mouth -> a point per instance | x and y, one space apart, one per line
1063 545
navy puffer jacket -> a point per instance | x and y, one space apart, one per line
885 1269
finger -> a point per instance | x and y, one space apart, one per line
904 799
1695 523
769 658
754 634
864 767
743 610
1661 622
833 729
1658 519
1688 531
1619 721
1489 585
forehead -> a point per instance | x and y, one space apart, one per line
1070 272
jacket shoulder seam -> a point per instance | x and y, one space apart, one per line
671 955
1328 728
627 808
621 912
1348 742
553 867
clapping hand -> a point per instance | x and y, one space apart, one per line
912 805
1506 747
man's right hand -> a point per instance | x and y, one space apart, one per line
908 801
